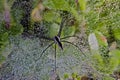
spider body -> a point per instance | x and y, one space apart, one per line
57 41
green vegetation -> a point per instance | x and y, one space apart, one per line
83 17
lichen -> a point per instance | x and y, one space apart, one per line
24 62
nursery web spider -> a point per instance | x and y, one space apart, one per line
57 40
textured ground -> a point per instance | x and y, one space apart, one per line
24 62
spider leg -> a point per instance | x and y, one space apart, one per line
75 46
61 27
69 37
46 49
55 58
43 37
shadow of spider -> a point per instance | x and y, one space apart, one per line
57 40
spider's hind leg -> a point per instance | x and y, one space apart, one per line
45 50
55 58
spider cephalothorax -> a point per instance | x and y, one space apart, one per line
57 41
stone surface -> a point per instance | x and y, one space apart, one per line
24 62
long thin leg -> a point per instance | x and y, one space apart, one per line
69 37
55 59
75 46
61 27
46 49
43 37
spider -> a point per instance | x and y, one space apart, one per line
57 40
